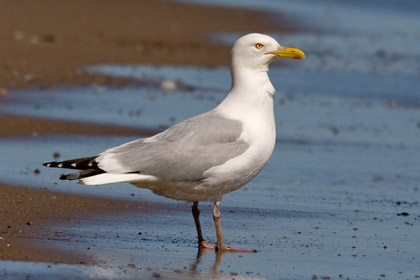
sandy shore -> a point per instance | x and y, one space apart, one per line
46 43
24 213
15 126
339 199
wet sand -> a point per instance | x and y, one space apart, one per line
47 43
15 126
339 198
24 212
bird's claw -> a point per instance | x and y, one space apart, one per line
226 249
205 245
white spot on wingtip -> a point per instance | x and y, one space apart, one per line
73 164
60 165
48 164
89 164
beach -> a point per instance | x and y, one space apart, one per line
46 44
339 198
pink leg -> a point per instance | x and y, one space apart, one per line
202 244
221 247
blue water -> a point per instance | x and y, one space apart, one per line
360 36
375 17
348 138
360 103
338 150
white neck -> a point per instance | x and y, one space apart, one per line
251 92
244 78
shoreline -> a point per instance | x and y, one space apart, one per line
47 49
50 49
26 213
21 126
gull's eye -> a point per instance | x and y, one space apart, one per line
259 45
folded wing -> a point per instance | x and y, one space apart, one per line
181 153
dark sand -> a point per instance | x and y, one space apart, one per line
343 203
24 212
46 43
13 126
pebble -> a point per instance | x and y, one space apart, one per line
131 265
49 38
168 85
28 77
403 214
34 39
19 35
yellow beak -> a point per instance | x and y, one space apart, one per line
286 52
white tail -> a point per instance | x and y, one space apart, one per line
107 178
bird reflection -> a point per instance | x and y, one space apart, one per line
214 268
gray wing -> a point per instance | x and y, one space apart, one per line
182 152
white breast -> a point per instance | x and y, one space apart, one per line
256 114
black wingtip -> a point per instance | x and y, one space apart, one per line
88 167
78 164
63 177
50 164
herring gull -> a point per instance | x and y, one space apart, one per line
206 156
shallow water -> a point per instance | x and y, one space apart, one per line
290 243
306 106
337 151
346 163
340 155
362 36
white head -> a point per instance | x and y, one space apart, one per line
256 51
